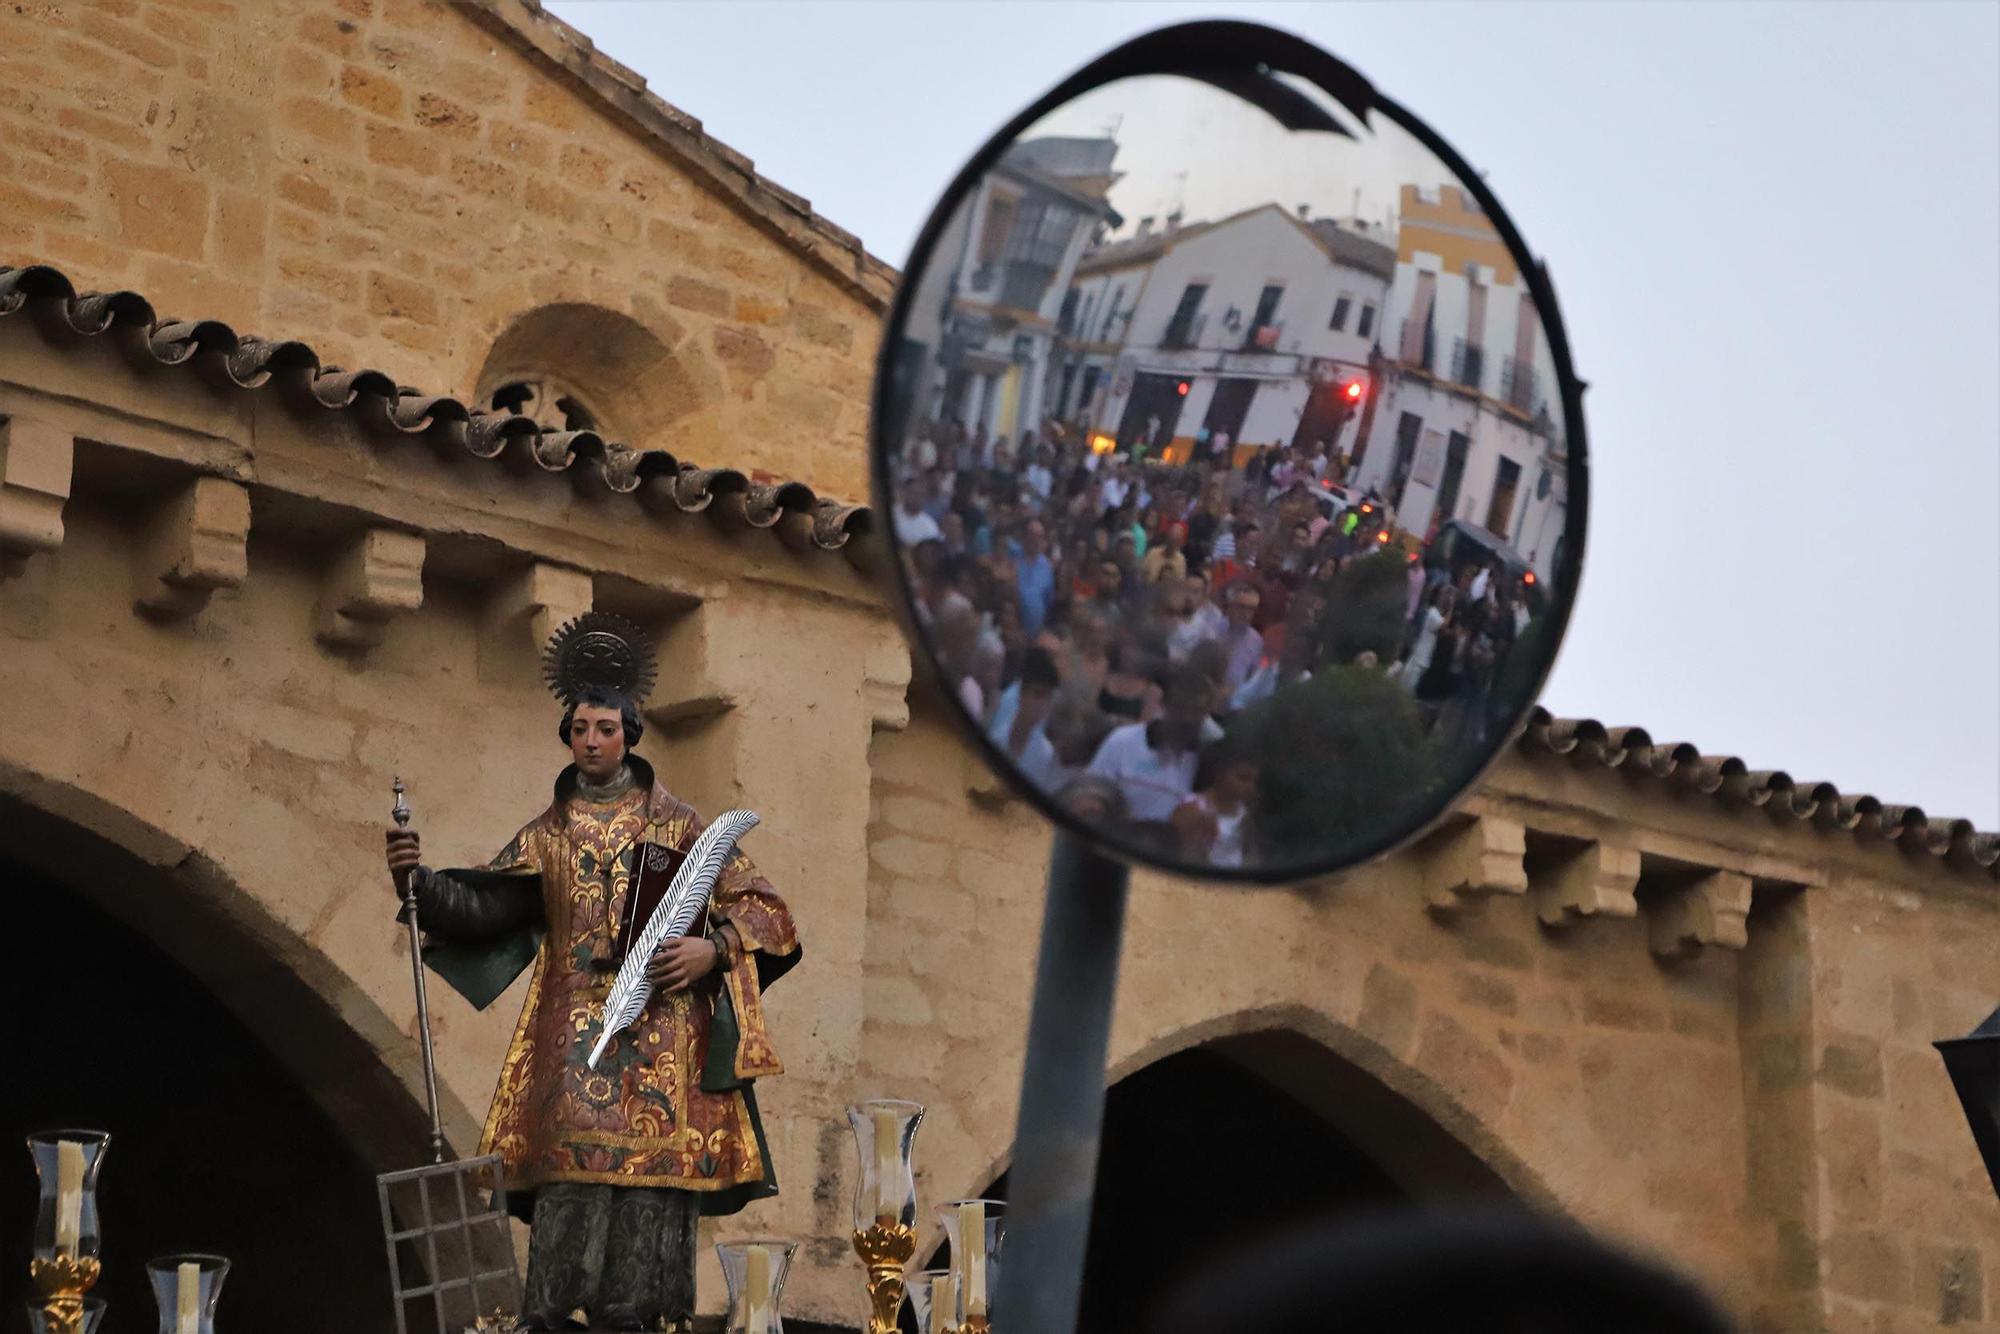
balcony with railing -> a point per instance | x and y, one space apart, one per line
1184 330
1518 385
1423 355
1263 337
1468 363
1024 283
1066 318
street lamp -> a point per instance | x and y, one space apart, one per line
1973 1062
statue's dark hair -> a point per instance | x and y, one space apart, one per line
599 697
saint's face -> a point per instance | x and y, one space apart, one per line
597 741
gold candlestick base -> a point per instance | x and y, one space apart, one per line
885 1247
976 1324
61 1284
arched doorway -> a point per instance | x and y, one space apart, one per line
249 1113
214 1146
1210 1148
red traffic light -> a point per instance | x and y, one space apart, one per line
1528 578
1353 391
1181 388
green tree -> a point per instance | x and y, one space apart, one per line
1342 760
1365 607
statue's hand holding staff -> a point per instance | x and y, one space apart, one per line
403 857
678 964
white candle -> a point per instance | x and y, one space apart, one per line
187 1292
888 1166
943 1318
972 1235
757 1290
69 1195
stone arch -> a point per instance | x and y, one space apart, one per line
1438 1148
1394 1137
319 1026
582 364
1357 1086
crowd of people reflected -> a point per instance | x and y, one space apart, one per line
1237 536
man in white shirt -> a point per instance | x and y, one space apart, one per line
912 524
1039 478
1116 487
1202 621
1153 763
1243 644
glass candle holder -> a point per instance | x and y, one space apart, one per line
974 1228
42 1321
755 1272
933 1295
67 1163
885 1133
186 1288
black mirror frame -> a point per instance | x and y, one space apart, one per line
1239 58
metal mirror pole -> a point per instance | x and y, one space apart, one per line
1054 1172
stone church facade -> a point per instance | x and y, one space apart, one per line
346 348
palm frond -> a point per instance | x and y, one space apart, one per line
686 899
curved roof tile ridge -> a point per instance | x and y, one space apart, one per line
663 484
236 361
1585 742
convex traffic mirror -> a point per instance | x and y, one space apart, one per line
1231 459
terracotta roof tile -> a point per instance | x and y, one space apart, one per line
662 483
1632 752
802 519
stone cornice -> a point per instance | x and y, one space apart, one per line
290 372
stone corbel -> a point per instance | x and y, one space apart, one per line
886 682
1597 880
378 577
1472 857
35 464
1712 909
987 789
195 544
713 649
540 600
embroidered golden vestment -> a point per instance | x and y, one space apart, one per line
671 1104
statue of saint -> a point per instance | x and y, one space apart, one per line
613 1167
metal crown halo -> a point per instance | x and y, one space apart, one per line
603 650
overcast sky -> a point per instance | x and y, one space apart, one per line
1184 145
1773 232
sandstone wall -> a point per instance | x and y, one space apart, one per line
1771 1119
398 181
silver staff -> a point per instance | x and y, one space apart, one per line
400 812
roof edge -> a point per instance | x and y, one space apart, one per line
622 92
1631 752
656 482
